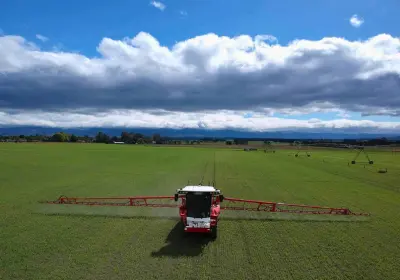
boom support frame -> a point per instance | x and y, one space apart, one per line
232 204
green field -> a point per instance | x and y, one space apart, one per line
106 243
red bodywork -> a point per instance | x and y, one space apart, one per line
214 214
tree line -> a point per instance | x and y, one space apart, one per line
156 138
56 137
100 137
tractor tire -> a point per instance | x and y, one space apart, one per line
214 232
182 228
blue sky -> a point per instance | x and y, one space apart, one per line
80 26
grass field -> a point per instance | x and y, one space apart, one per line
114 244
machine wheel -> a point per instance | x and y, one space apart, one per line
214 231
182 228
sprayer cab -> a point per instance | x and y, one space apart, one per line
200 208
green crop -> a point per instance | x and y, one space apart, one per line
46 242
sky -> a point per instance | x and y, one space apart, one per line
211 64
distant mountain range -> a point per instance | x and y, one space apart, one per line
199 133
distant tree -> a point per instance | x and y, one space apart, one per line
125 136
240 142
147 140
60 137
138 136
102 137
73 138
128 138
86 138
157 138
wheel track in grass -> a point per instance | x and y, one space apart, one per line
228 169
203 173
211 167
214 182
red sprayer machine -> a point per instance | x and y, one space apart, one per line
200 206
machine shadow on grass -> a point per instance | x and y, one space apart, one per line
181 244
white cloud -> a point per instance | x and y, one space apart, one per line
343 114
223 119
183 13
58 47
158 5
207 73
269 38
42 38
356 21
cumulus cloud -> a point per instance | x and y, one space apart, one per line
344 115
207 73
356 21
158 5
268 38
42 38
223 119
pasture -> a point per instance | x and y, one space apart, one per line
105 243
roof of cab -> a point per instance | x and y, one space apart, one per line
198 189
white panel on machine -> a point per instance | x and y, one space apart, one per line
198 222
